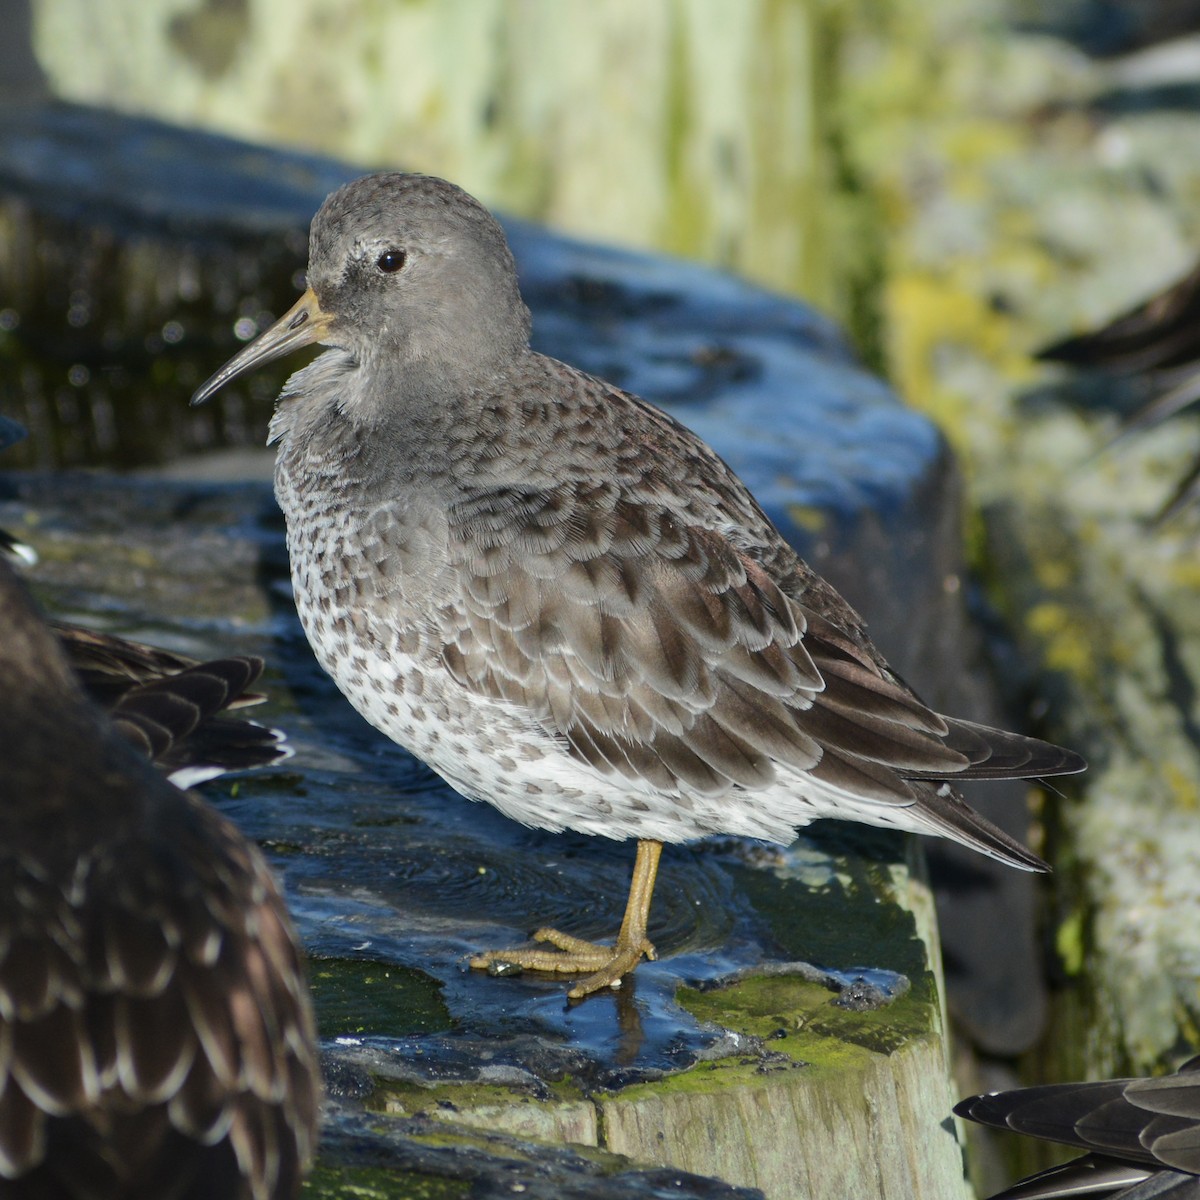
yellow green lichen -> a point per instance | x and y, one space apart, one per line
809 518
1182 787
1069 943
1064 639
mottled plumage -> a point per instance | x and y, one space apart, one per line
554 593
1142 1135
156 1037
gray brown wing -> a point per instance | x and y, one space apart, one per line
659 650
1150 1121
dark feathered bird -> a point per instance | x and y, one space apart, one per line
168 705
156 1037
173 707
559 597
1156 334
1142 1135
1159 337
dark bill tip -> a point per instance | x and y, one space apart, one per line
302 325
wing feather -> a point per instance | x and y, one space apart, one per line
660 651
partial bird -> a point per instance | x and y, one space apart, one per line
19 552
1142 1136
156 1034
172 707
1158 338
1157 334
169 705
561 598
16 550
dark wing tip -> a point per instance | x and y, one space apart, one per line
998 754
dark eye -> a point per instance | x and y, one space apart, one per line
390 261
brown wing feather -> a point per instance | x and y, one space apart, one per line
171 707
658 649
1155 1121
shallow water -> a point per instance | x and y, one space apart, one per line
394 880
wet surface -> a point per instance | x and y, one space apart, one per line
359 1161
394 880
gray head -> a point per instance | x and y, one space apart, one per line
407 274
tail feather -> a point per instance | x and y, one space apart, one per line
946 814
1134 1130
170 706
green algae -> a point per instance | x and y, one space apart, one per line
798 1018
1069 942
357 996
330 1181
794 1018
805 1061
833 926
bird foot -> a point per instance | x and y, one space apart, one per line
572 955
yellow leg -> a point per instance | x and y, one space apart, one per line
606 963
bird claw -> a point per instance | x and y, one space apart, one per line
605 965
